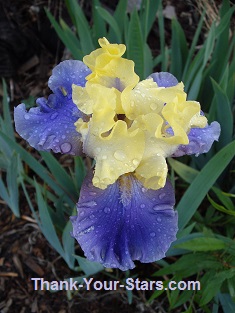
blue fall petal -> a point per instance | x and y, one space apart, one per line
67 73
164 79
50 126
125 222
200 140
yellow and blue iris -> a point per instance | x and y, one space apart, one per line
130 127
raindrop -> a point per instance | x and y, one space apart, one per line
106 210
161 196
53 116
92 193
63 137
86 231
153 234
97 150
66 147
92 216
89 204
135 162
26 116
119 155
159 219
142 205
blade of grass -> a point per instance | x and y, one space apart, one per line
202 183
99 26
179 49
224 115
82 26
66 36
46 223
162 38
61 176
6 113
193 45
135 44
105 15
39 169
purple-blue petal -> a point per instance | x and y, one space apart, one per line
50 126
125 222
164 79
67 73
200 140
48 129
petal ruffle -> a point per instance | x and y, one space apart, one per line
200 140
52 130
164 79
51 124
67 73
125 222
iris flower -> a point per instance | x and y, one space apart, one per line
129 127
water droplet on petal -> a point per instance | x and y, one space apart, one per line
66 147
153 234
106 210
161 196
135 162
89 204
86 231
81 213
159 219
92 216
92 193
97 150
26 116
142 205
53 116
119 155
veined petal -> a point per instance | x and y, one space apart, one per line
200 140
67 73
164 79
52 130
125 222
50 126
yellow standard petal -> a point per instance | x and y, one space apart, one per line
152 172
116 153
147 97
109 68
